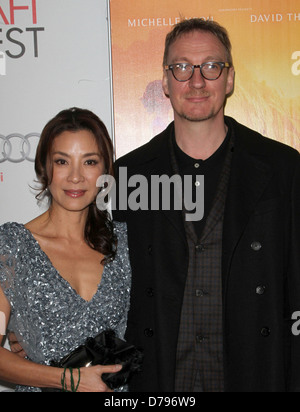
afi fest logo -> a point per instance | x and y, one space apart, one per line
15 41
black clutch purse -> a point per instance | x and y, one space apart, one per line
105 349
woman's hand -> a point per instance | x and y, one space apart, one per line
15 347
90 379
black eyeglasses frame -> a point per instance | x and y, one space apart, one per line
222 65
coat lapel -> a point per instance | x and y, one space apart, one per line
249 179
160 165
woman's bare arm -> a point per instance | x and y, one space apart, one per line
17 370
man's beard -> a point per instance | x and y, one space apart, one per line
197 119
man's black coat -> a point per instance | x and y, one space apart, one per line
261 268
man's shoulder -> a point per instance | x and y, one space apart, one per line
246 139
146 152
254 142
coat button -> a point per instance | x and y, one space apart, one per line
200 248
149 333
256 246
265 332
260 290
150 292
201 339
200 293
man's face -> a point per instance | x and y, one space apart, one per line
198 99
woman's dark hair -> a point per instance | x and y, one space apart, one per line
99 232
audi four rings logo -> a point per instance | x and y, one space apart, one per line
17 148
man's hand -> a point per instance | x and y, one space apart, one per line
15 347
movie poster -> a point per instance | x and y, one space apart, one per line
266 49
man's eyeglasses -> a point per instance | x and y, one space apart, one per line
183 72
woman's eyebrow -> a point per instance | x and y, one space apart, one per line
85 155
92 154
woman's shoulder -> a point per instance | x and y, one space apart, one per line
120 229
120 226
12 245
11 226
15 241
11 235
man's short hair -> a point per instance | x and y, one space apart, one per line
188 26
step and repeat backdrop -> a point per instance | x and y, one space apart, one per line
56 54
266 48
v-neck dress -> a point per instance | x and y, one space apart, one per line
48 317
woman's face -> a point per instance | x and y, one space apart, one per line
77 164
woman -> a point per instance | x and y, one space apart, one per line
65 276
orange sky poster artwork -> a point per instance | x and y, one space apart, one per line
266 49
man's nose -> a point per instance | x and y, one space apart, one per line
197 81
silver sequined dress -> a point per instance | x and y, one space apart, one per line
47 315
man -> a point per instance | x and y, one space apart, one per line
212 300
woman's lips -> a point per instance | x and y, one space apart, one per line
75 194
